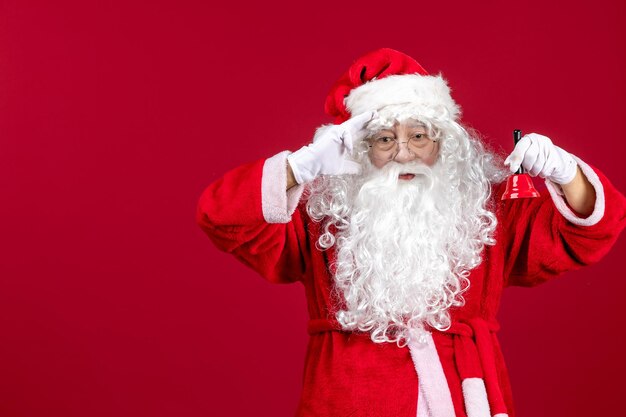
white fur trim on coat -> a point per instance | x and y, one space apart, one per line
278 205
423 93
598 210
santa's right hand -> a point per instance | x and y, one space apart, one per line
329 154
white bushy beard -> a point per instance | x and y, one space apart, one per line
405 248
394 266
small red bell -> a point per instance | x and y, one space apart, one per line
519 185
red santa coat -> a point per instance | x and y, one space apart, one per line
247 213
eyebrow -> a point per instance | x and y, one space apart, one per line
414 123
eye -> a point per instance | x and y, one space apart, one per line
419 135
384 139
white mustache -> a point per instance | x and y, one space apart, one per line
415 167
389 174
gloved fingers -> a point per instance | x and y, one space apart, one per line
540 156
514 160
542 150
536 137
345 133
567 166
334 136
533 160
356 126
536 168
358 122
347 139
327 132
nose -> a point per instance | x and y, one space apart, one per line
404 153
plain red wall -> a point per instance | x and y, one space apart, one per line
115 115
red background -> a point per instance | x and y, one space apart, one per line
114 116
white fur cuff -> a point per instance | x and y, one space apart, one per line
278 205
598 210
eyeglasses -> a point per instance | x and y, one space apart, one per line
390 146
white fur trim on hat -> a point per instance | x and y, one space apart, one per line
423 93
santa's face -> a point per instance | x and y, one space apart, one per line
403 142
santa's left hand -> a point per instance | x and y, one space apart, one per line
539 156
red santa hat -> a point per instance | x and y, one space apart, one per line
386 77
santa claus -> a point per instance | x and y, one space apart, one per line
393 221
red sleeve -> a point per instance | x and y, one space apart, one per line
543 237
248 213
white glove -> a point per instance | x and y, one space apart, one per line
539 156
329 152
